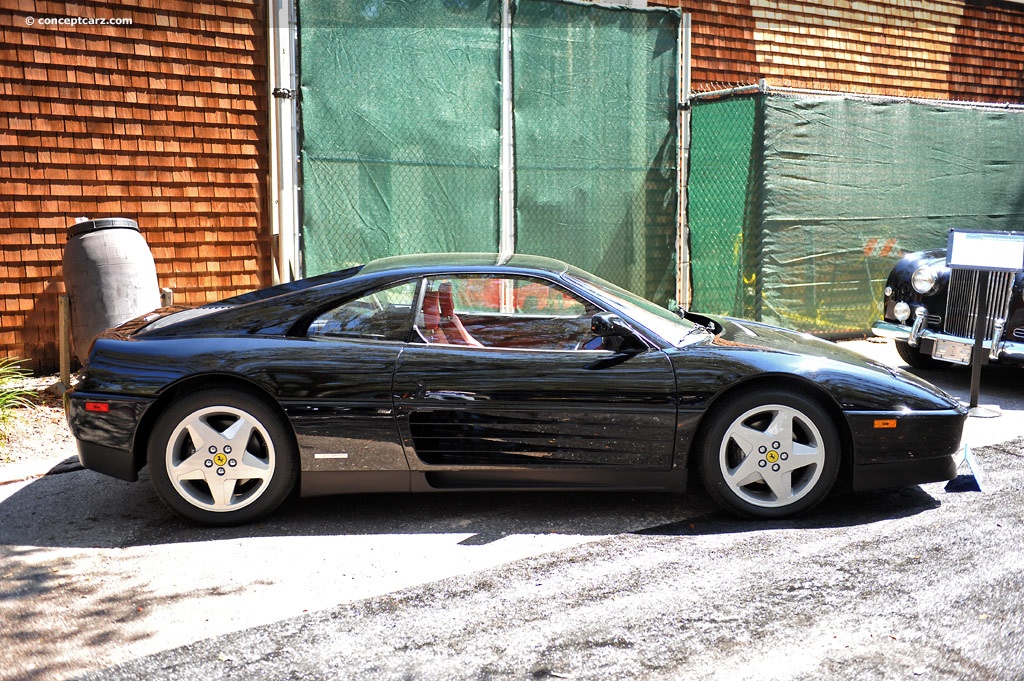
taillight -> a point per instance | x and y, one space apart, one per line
102 407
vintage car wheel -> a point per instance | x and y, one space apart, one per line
220 457
917 359
770 454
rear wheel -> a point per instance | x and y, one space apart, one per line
221 457
770 454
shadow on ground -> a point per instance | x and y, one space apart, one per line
82 509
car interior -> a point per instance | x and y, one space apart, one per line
473 311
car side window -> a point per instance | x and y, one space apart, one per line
382 315
503 312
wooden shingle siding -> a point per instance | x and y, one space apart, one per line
163 121
944 49
722 41
988 53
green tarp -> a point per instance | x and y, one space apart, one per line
400 108
595 111
400 115
844 186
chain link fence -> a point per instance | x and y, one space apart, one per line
724 205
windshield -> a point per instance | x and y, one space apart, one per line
669 326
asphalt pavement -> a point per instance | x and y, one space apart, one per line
99 581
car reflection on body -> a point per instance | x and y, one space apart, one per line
479 372
930 311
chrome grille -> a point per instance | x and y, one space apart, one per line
962 301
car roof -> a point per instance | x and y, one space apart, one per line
464 260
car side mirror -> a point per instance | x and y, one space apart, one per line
605 324
618 335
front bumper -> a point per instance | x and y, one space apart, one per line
898 448
903 473
924 337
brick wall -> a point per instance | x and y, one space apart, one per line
941 49
163 121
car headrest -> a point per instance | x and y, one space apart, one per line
431 310
445 300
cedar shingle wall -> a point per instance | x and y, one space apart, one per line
163 121
942 49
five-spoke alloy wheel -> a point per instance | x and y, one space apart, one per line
220 457
770 454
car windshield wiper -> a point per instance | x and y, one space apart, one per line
710 326
708 330
697 328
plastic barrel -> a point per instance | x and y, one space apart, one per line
110 277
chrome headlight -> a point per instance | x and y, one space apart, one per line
902 312
924 278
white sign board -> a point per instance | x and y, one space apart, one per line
992 251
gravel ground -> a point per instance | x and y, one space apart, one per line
100 579
908 583
38 434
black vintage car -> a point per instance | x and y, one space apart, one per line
930 311
483 372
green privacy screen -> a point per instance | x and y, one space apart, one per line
401 104
400 116
595 109
841 188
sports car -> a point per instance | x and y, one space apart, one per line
436 373
930 309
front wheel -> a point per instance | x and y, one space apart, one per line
220 457
770 454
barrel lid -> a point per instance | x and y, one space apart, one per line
102 223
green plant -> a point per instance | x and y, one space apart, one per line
13 395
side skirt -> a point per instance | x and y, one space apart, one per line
322 483
541 480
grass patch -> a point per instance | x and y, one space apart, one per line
13 394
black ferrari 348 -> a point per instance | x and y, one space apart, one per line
481 372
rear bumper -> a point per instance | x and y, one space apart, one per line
117 463
106 437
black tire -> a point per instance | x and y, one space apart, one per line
222 457
751 479
917 359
